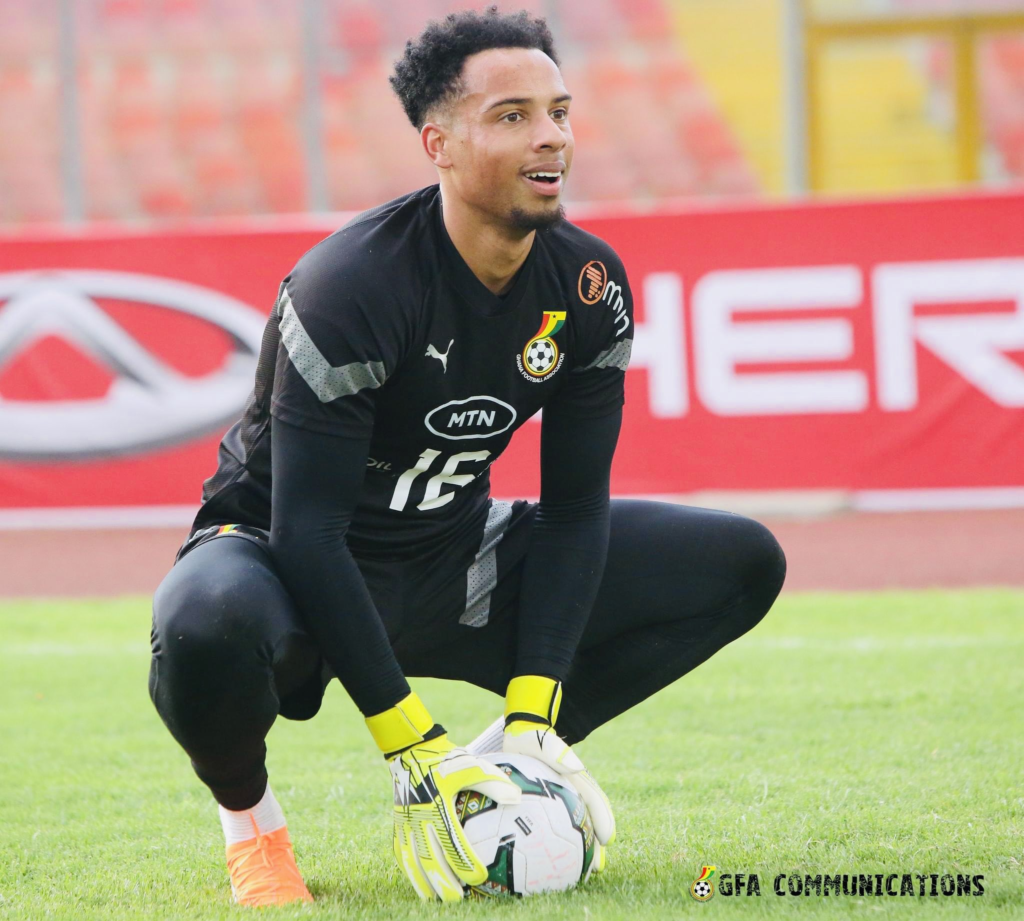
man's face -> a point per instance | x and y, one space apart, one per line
513 119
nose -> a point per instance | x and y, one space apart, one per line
549 135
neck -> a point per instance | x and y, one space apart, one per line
493 252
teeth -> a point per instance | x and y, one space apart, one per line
549 175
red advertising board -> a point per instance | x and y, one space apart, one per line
870 346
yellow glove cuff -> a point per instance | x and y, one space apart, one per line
534 695
405 724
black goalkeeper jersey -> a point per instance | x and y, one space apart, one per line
383 331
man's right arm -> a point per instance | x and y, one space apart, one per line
342 334
316 483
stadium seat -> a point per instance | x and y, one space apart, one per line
358 30
118 27
225 184
29 29
34 195
406 18
29 139
198 111
646 20
109 193
585 24
1001 71
135 115
165 197
188 26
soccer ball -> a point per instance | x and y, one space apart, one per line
540 356
545 843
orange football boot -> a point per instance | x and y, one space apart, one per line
263 871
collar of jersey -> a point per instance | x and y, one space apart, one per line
479 297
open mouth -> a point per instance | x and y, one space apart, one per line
544 182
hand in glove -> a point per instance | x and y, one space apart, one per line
531 709
428 772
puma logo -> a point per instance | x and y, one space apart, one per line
434 353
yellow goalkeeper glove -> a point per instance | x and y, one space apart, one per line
428 772
531 709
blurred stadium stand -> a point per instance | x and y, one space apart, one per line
194 107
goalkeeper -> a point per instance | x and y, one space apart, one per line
349 532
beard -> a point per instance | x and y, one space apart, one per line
525 221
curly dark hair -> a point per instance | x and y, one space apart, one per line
429 73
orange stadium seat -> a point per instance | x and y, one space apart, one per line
165 196
29 139
123 9
198 112
249 25
358 30
646 20
224 184
188 26
593 22
119 27
134 106
34 195
1002 85
29 28
405 19
109 193
1010 53
277 158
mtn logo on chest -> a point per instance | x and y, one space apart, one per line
473 417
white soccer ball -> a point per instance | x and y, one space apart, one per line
545 843
540 356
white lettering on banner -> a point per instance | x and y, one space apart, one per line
659 346
972 344
720 343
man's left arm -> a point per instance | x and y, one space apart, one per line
569 540
565 562
562 573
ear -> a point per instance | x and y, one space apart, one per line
434 139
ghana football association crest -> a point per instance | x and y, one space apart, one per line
702 888
541 357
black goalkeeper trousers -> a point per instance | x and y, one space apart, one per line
230 652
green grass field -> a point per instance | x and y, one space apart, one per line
865 733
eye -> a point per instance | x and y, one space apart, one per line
564 113
509 115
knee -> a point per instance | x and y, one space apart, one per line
196 619
203 653
763 564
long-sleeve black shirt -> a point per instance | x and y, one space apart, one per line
389 380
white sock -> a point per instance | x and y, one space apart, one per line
490 740
266 816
